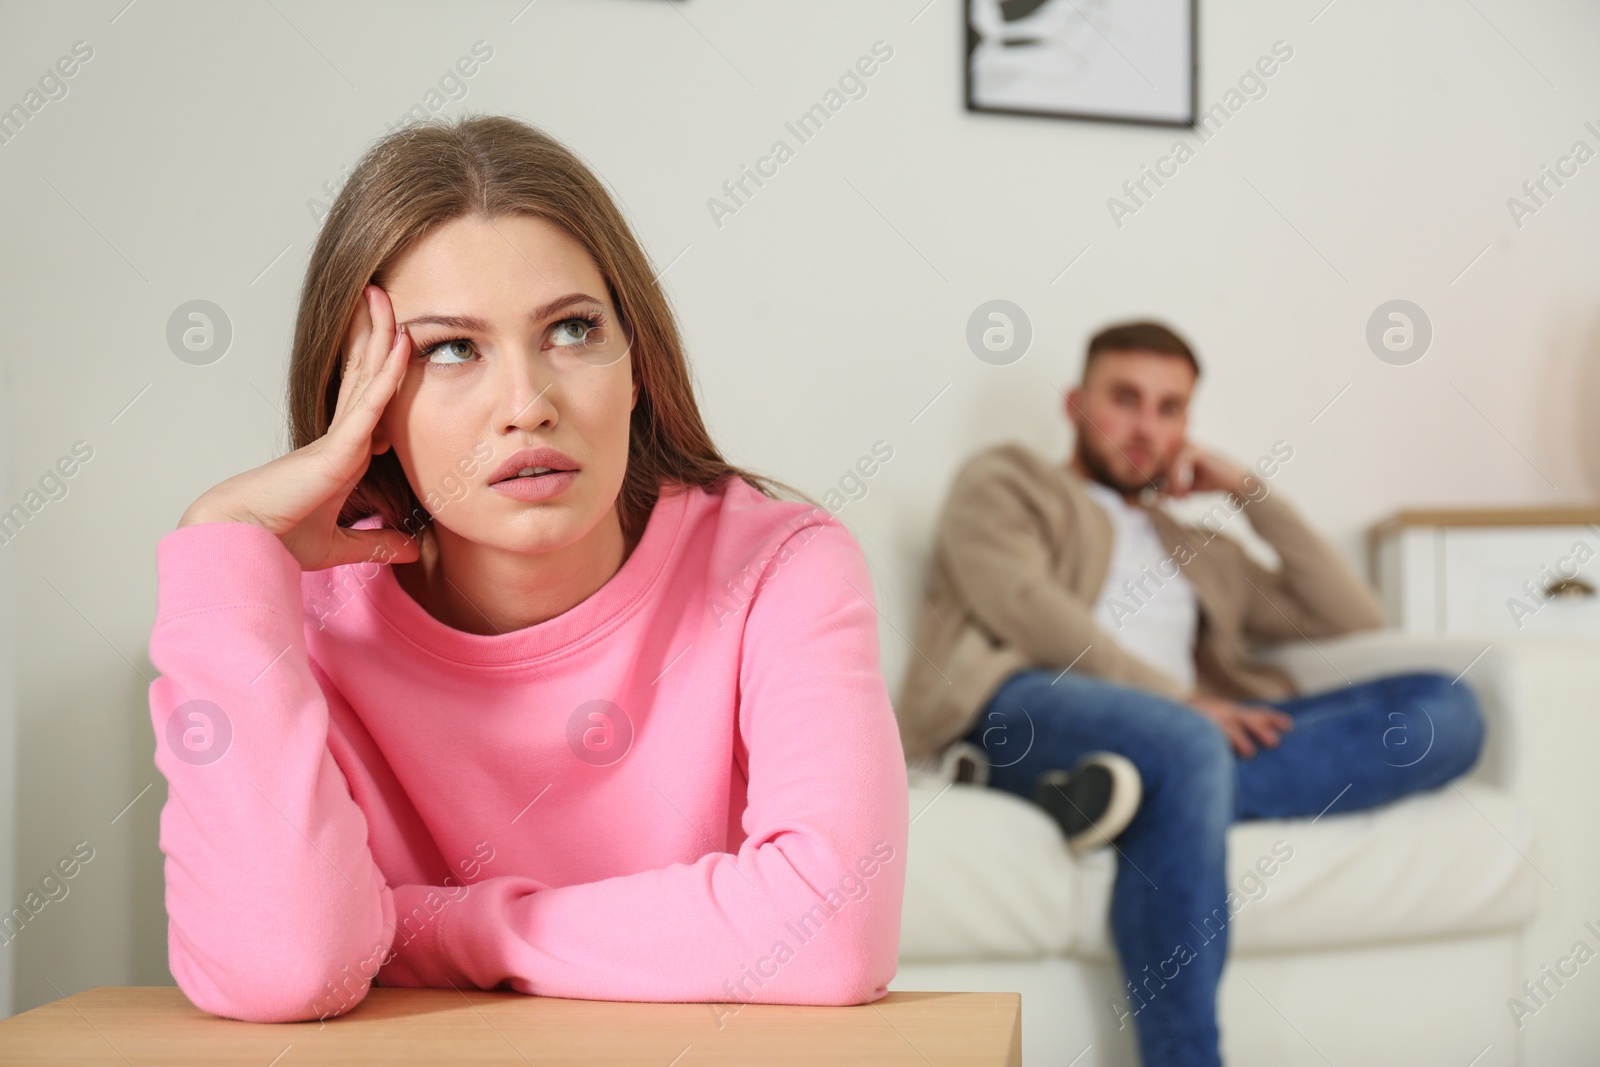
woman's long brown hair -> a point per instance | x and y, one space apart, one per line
426 174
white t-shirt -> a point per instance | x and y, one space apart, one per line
1149 614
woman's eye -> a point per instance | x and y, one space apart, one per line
459 346
573 331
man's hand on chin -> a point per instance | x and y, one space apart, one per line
1199 470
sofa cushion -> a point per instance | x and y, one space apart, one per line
989 876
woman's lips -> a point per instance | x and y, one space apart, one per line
537 487
523 458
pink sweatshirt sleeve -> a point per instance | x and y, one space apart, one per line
271 890
807 911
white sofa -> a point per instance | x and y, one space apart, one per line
1393 936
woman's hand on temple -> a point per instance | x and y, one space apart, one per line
298 496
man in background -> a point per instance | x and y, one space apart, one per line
1072 628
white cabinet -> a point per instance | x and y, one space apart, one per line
1534 570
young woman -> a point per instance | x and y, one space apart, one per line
504 678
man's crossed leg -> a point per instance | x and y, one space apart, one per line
1348 749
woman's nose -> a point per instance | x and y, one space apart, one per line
527 390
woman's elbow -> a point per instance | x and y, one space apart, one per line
860 967
273 990
858 976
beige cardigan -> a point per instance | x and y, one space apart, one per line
1019 556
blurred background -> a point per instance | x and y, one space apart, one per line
192 151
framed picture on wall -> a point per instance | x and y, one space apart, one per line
1107 60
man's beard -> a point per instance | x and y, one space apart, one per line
1103 474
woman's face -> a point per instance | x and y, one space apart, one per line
515 345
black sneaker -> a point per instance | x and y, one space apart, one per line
1092 801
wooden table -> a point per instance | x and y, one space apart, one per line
148 1025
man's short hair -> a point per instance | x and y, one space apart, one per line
1143 336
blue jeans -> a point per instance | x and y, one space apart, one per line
1349 749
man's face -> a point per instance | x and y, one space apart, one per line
1131 413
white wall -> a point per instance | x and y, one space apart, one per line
8 704
821 317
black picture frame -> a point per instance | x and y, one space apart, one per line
973 39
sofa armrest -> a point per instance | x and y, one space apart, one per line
1490 668
1527 684
1539 693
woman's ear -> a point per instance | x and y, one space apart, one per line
380 440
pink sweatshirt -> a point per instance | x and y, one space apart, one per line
688 787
